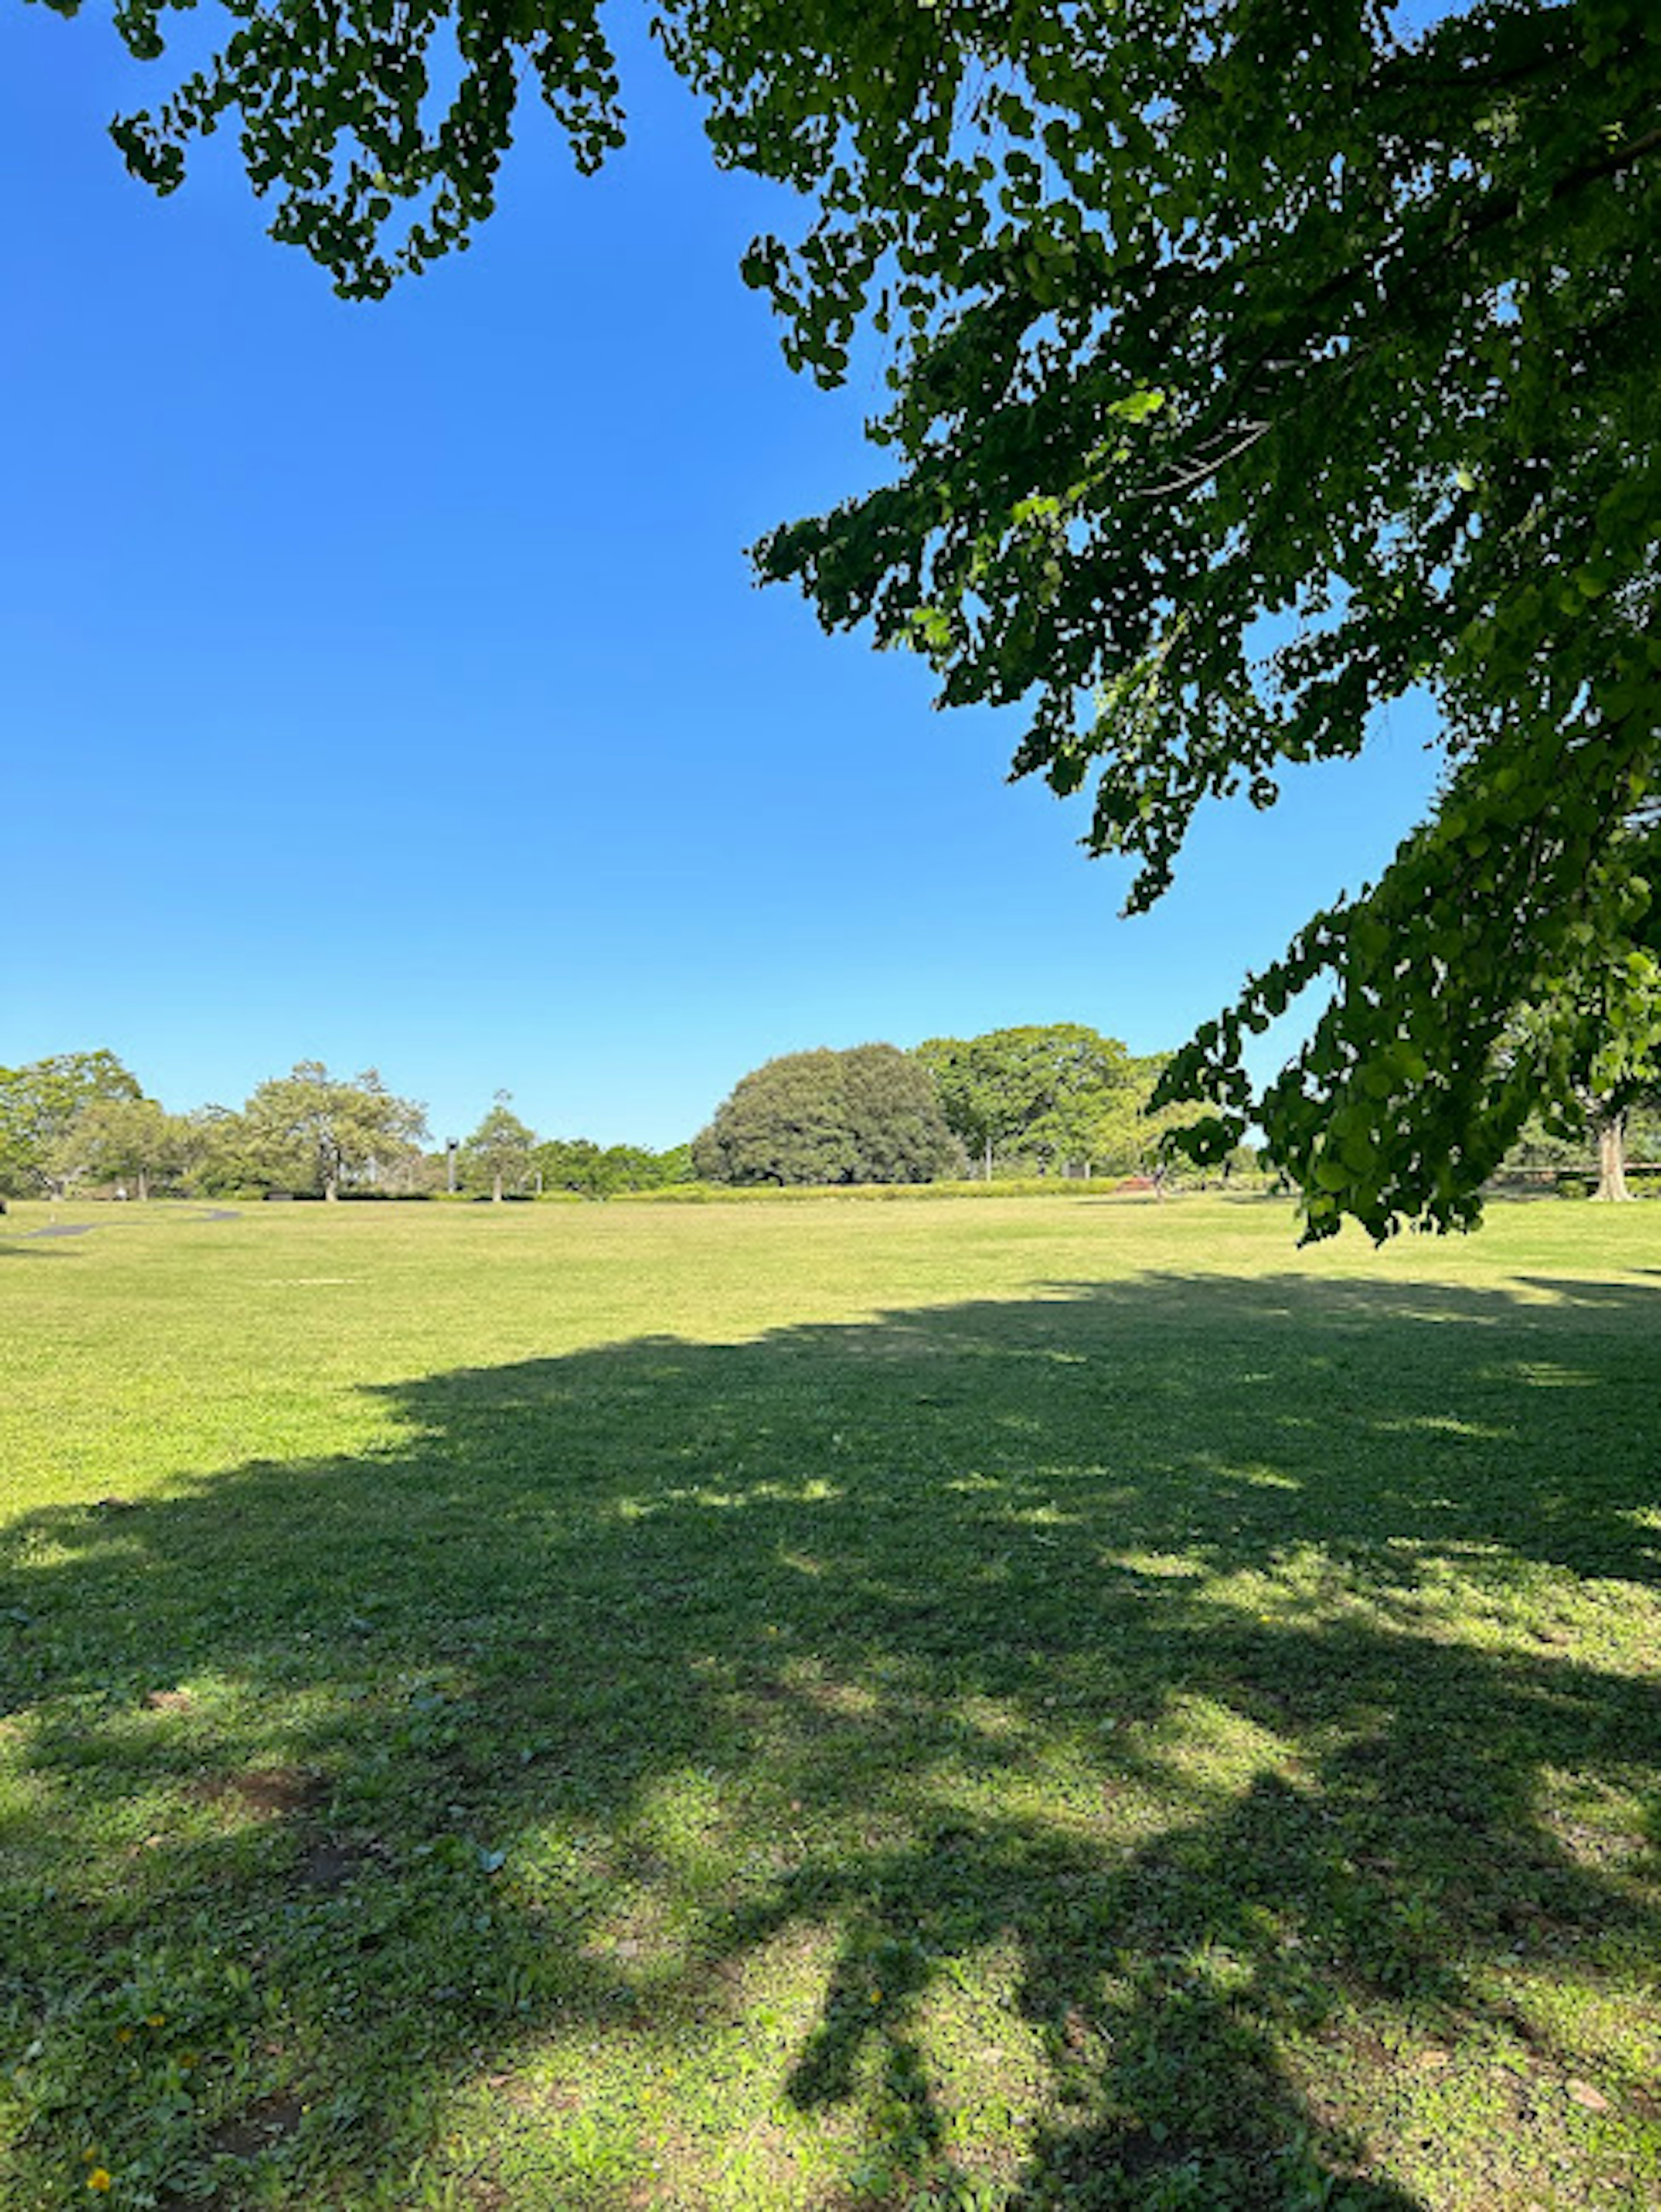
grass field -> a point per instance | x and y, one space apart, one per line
998 1704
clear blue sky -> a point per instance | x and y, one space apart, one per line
385 684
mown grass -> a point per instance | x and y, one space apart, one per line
985 1705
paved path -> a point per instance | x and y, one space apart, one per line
86 1228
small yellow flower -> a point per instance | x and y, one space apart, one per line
99 2178
124 2035
155 2020
876 1996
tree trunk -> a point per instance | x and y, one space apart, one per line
1612 1158
144 1186
330 1188
988 1159
496 1186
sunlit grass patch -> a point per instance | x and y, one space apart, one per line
988 1704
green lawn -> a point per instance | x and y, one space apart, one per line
985 1703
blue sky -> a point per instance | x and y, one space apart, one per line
385 684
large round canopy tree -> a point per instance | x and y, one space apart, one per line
869 1115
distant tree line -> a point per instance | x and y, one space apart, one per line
505 1158
1061 1100
80 1122
1054 1101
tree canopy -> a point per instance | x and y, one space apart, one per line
577 1164
1252 363
868 1115
120 1139
80 1120
497 1156
1060 1093
39 1104
312 1131
1591 1046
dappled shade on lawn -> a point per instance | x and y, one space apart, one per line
1164 1743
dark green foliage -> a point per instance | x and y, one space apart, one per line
339 116
1255 311
870 1115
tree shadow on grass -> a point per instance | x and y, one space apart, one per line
1138 1747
